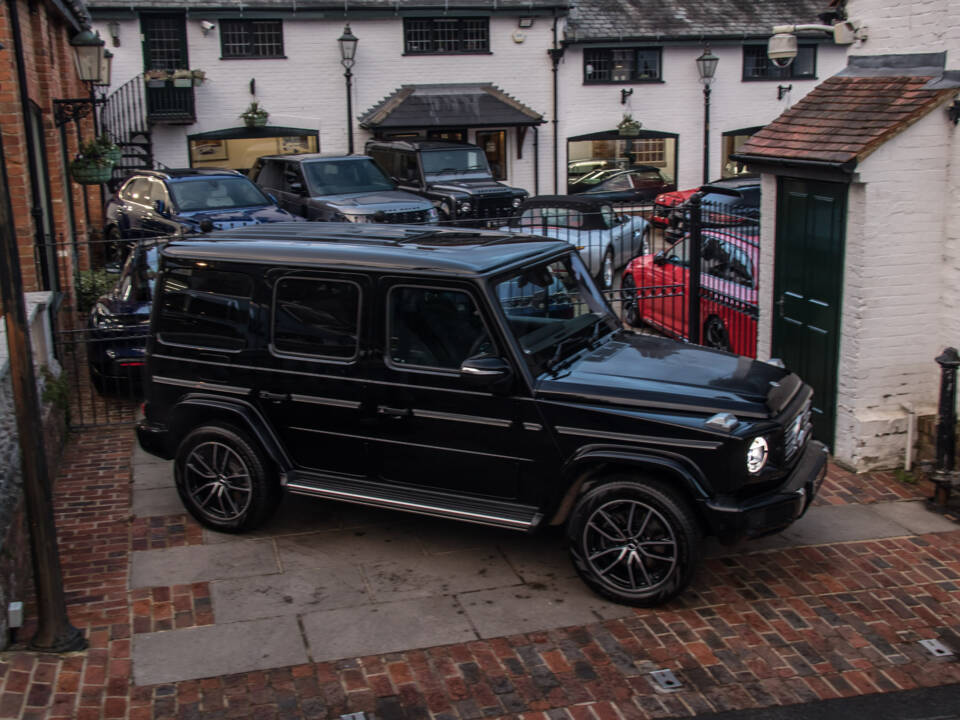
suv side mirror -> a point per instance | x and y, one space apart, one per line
296 187
660 258
161 207
486 371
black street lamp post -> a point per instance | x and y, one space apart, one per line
706 66
348 49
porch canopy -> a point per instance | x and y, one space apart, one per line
448 105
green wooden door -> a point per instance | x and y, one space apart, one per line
808 286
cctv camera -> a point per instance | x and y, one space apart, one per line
206 26
782 49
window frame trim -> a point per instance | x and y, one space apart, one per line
743 64
433 18
631 81
330 359
249 22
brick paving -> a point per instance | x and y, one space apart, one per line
769 628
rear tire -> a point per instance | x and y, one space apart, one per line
224 479
629 309
607 271
636 542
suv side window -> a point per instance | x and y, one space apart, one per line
386 160
407 170
434 327
268 175
293 179
314 316
138 191
204 309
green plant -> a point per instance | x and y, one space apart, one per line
254 115
56 391
629 126
91 284
905 476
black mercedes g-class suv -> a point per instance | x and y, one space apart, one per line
465 374
455 176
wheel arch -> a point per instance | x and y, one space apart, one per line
195 410
590 468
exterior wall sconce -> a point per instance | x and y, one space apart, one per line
624 94
93 67
525 22
348 50
707 68
113 27
783 90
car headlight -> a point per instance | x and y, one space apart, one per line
358 218
433 215
463 206
517 201
757 455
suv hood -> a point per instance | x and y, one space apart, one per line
238 217
642 370
371 202
478 186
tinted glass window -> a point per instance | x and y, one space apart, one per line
138 191
332 177
269 175
316 317
435 328
453 161
204 308
216 193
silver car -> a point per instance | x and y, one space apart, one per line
338 188
605 239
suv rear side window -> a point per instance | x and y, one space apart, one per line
269 175
205 309
434 328
313 316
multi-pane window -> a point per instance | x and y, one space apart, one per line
649 152
602 65
757 66
446 35
251 38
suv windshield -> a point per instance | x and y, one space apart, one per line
336 177
454 160
215 193
554 311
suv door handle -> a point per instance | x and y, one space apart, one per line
274 397
398 413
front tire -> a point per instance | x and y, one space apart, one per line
636 542
607 270
224 480
629 308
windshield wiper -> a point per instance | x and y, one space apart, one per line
557 353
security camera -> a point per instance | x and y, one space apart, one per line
782 49
206 26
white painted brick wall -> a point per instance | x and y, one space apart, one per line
307 89
908 27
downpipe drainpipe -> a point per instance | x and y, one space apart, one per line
556 54
35 210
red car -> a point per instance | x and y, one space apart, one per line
665 202
743 190
655 290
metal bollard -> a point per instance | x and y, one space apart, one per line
949 361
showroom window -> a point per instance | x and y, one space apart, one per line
251 38
446 35
608 65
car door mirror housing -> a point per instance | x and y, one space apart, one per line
488 372
660 258
161 207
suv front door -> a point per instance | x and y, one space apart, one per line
435 429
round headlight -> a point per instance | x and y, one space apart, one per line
517 201
757 455
463 206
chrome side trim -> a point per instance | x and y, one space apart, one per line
645 439
201 385
532 427
362 499
456 417
331 402
411 444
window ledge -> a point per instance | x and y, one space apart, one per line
625 82
253 57
452 52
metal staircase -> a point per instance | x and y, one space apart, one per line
124 117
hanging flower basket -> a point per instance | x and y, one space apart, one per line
104 147
628 126
254 115
91 171
156 78
183 78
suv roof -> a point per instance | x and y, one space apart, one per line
420 144
173 173
316 156
406 248
736 183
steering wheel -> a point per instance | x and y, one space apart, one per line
481 346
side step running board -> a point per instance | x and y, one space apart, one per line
416 500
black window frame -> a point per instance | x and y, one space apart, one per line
609 59
248 26
434 29
316 357
772 72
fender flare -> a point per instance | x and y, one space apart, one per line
576 471
241 412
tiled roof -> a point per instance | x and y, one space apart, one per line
844 119
344 6
449 105
596 20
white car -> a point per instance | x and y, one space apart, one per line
606 240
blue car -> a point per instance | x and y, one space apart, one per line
152 203
119 323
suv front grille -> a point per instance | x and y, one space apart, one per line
796 432
412 217
494 207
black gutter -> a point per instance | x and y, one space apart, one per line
556 54
26 114
693 38
846 167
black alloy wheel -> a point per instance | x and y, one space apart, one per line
224 480
634 542
715 334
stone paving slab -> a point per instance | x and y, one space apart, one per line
915 517
291 593
447 574
150 502
360 546
153 475
181 565
199 652
529 608
386 628
295 515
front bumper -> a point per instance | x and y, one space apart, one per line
776 510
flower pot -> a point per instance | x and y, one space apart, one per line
255 121
197 81
153 83
114 154
183 82
629 130
87 172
